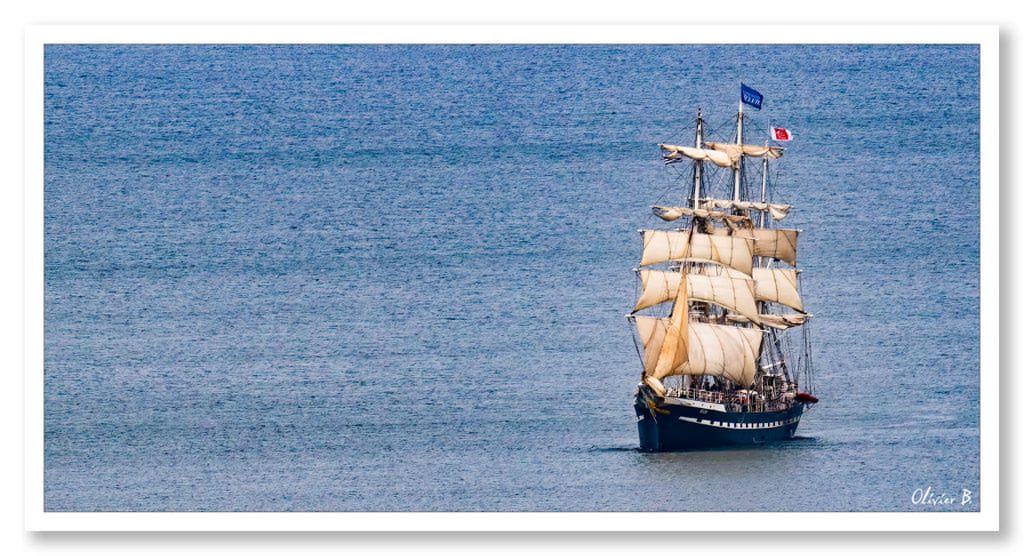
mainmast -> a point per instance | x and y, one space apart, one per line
698 142
738 169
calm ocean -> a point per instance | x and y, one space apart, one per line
394 278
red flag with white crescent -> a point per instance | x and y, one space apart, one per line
781 134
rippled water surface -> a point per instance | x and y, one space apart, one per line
332 278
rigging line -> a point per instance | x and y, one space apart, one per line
688 129
773 177
680 176
661 196
685 131
636 346
806 333
757 123
636 287
716 135
728 123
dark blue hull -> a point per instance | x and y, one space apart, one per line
666 426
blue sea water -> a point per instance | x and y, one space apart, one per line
393 278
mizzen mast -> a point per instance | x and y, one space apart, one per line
764 185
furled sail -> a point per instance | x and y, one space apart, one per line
665 245
732 292
717 350
777 285
673 152
734 151
778 211
669 214
781 322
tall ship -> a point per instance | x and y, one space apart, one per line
719 323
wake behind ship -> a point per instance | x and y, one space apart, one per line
720 325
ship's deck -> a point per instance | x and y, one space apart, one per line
734 401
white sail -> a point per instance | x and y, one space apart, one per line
717 157
777 243
658 286
732 292
778 211
777 285
675 351
735 294
712 349
665 245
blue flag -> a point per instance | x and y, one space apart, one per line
750 96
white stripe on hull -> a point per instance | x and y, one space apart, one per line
740 426
694 403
